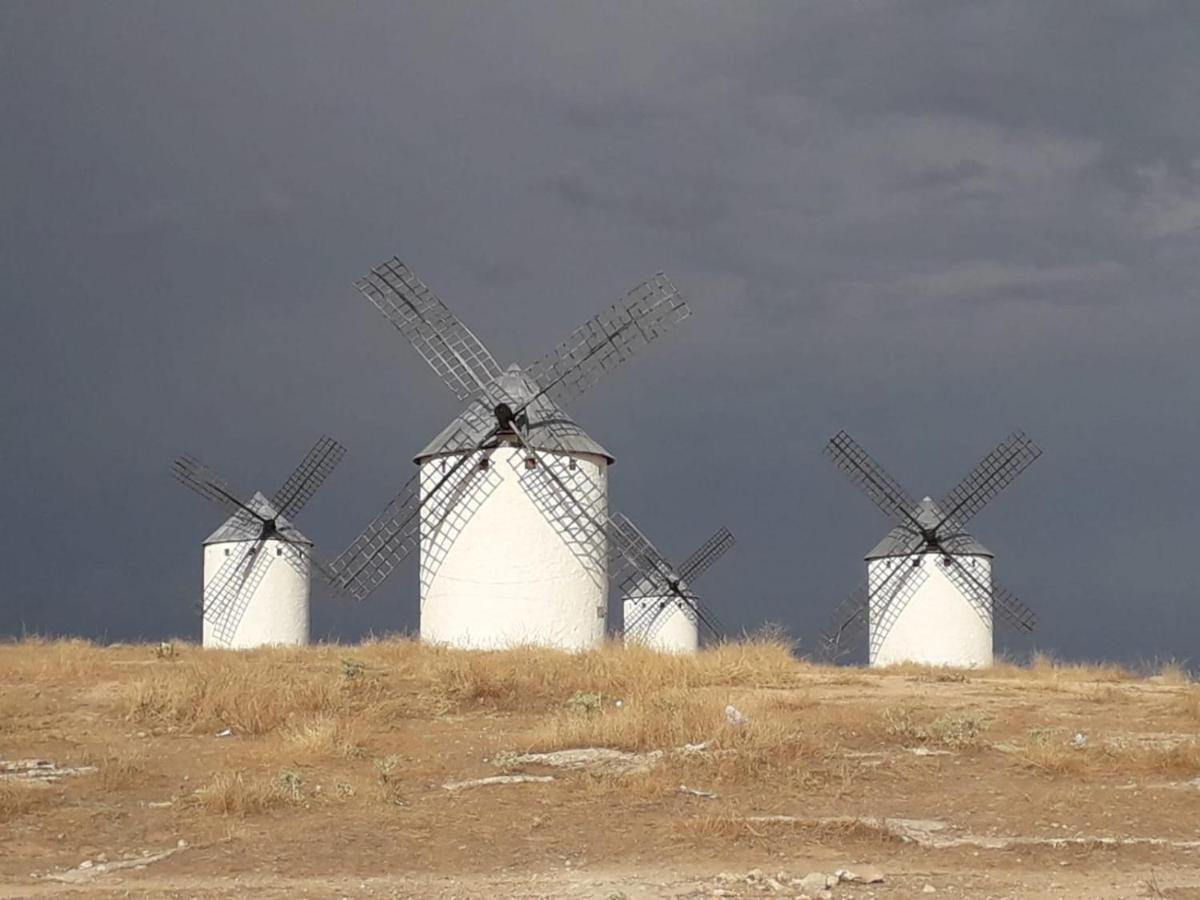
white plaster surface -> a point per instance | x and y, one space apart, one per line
669 629
496 573
277 613
937 626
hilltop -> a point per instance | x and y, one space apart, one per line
395 769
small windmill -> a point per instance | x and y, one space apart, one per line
248 601
673 621
929 596
505 501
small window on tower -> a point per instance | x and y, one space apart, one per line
573 464
279 551
531 462
226 551
485 464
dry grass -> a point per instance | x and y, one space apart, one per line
1051 752
1187 704
1054 752
115 772
263 690
322 737
17 799
242 794
225 690
1048 671
958 730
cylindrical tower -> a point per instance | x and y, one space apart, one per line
661 624
503 559
922 616
273 611
933 624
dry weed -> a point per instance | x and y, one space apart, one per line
117 773
322 736
227 690
17 799
1187 704
243 794
961 730
1050 751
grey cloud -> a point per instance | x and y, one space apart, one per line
924 223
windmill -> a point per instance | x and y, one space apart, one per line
509 506
929 596
673 621
248 601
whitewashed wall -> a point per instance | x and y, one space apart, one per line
277 612
496 573
937 626
670 630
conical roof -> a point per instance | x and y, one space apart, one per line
929 514
241 527
550 428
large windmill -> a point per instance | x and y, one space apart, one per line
248 601
929 596
509 506
673 621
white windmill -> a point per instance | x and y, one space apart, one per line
929 596
248 601
672 621
509 506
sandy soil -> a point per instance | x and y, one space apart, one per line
980 818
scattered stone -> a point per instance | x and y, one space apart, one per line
814 882
929 889
38 770
88 869
603 758
736 717
228 732
862 876
496 779
707 795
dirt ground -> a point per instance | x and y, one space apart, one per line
137 772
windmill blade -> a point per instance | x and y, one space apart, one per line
208 484
849 620
301 558
708 553
393 535
974 591
300 486
1014 613
994 473
229 594
383 544
890 596
848 625
992 598
460 358
859 468
646 313
653 573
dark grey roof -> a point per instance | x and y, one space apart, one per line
240 527
549 427
928 513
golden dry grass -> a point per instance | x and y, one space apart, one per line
17 799
1188 704
240 793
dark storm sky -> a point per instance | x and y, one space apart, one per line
926 223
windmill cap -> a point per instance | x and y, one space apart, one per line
550 429
235 528
928 514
